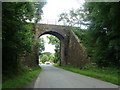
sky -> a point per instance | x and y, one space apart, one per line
48 47
52 10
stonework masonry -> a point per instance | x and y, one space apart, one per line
72 51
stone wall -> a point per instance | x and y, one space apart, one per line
76 54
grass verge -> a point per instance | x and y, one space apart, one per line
23 79
106 74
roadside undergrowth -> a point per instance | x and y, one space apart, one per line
22 79
105 74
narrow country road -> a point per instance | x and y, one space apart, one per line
52 77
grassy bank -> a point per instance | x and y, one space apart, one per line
22 79
106 74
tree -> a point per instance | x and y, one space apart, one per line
55 41
104 32
73 17
47 53
52 58
44 58
17 33
38 11
42 47
102 38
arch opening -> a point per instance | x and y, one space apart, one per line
59 49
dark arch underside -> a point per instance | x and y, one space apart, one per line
57 34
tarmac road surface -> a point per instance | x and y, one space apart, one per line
53 77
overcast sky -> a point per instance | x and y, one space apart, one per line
54 8
48 47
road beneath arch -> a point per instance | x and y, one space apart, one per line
53 77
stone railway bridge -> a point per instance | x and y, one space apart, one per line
72 51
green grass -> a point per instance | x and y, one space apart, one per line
106 74
23 79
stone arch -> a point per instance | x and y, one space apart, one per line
72 51
61 37
54 33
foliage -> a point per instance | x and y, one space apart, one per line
102 38
52 57
47 56
55 41
38 11
17 33
72 18
47 53
24 78
106 74
42 46
104 32
44 58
